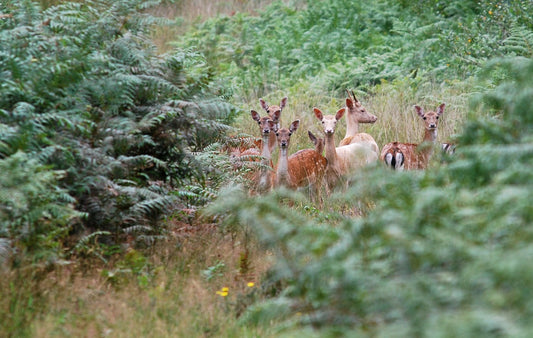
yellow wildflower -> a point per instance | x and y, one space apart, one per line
251 284
223 292
490 12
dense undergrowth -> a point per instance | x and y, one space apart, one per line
110 150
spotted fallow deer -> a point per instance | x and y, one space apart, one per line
400 156
306 167
345 159
356 114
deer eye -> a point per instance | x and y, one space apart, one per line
425 118
437 117
277 134
290 134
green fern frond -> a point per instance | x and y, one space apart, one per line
519 42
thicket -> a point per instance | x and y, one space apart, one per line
342 44
98 132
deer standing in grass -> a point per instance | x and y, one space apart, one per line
345 159
356 114
306 167
400 156
267 124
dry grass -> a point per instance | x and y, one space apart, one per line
392 103
178 301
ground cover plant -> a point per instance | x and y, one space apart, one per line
121 212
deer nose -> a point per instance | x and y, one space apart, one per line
283 144
432 126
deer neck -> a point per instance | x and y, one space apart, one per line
283 167
430 136
331 152
266 150
352 125
271 141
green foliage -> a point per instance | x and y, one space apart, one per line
444 252
35 214
84 92
341 44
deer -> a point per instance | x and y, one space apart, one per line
267 126
400 156
306 167
272 109
343 160
356 114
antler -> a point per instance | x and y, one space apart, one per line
351 95
354 98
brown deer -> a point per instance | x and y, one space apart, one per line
267 125
306 167
356 114
272 109
345 159
400 156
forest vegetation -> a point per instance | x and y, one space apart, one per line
122 213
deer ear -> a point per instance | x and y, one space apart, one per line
276 115
294 126
340 113
440 109
255 115
318 113
419 111
283 102
264 105
312 137
349 103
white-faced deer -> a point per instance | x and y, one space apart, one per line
356 114
408 156
345 159
306 167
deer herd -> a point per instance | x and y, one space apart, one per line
329 165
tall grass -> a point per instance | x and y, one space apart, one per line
171 292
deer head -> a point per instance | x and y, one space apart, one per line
284 135
329 122
267 123
272 109
356 109
430 118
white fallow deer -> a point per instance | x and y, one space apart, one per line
343 160
356 114
400 156
305 168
